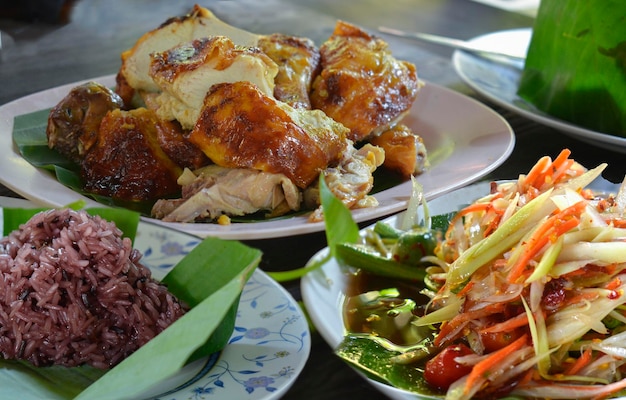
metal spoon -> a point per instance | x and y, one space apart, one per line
454 43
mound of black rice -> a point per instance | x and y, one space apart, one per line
73 292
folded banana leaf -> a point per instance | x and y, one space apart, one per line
575 69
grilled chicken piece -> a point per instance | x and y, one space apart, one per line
73 123
185 73
361 84
213 191
198 23
298 58
298 61
351 181
405 152
173 141
126 162
240 127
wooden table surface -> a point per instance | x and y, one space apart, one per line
37 55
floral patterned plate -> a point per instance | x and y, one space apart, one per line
269 345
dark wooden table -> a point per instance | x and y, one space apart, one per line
44 53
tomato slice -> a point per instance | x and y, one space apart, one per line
443 369
494 341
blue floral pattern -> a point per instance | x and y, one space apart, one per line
269 345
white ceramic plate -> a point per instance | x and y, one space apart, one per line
465 139
498 81
269 345
323 289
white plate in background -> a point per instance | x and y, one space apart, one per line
499 82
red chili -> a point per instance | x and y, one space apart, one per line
443 369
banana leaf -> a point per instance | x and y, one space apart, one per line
202 331
125 220
575 69
375 360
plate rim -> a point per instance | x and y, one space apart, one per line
393 199
523 35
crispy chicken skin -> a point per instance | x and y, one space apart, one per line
240 127
127 163
174 142
185 73
298 61
74 122
405 152
361 84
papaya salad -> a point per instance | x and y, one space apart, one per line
524 292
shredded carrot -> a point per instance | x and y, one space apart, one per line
449 327
557 168
466 289
562 158
614 283
616 222
493 224
559 165
482 369
480 207
508 325
558 174
583 360
550 230
537 170
476 207
546 170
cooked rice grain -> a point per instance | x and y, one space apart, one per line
73 292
